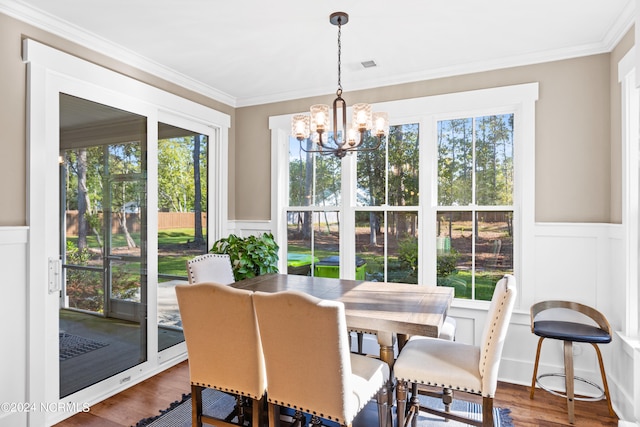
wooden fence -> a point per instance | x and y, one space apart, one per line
166 221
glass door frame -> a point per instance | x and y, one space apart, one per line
51 72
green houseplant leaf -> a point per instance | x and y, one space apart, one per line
250 256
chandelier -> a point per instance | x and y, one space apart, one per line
345 139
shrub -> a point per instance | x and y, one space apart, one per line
447 263
408 256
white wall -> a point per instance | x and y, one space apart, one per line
13 318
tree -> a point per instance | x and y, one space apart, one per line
84 190
176 174
124 160
197 202
82 198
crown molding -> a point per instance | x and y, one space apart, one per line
73 33
91 41
617 31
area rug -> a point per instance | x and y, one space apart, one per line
218 404
74 345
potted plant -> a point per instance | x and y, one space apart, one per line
250 256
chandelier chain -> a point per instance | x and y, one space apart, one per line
339 91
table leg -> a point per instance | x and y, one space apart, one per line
387 340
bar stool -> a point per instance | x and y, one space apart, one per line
570 332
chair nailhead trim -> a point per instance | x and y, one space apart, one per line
309 411
434 384
226 390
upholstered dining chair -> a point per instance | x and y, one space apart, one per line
214 268
316 373
452 365
224 349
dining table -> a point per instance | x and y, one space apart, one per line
393 311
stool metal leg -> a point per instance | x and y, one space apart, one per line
604 379
568 371
535 369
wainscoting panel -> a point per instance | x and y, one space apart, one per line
247 228
13 311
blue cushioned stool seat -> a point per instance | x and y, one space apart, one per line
576 332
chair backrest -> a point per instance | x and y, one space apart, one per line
222 337
584 310
495 332
306 350
214 268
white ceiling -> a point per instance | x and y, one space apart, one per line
247 52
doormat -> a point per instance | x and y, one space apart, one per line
74 345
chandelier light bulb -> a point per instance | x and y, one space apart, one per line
362 116
319 118
381 124
300 126
352 138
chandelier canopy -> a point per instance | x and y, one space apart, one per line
346 137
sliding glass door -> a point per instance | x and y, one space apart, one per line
103 310
105 303
103 250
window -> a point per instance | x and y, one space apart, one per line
448 200
474 221
387 203
313 214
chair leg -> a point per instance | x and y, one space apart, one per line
256 412
360 336
384 410
273 413
535 369
240 409
447 399
604 380
487 411
415 405
401 402
196 405
569 380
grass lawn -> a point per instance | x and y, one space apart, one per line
173 249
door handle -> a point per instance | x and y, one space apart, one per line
55 275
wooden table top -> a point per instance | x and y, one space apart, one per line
385 307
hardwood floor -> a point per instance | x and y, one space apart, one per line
149 397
